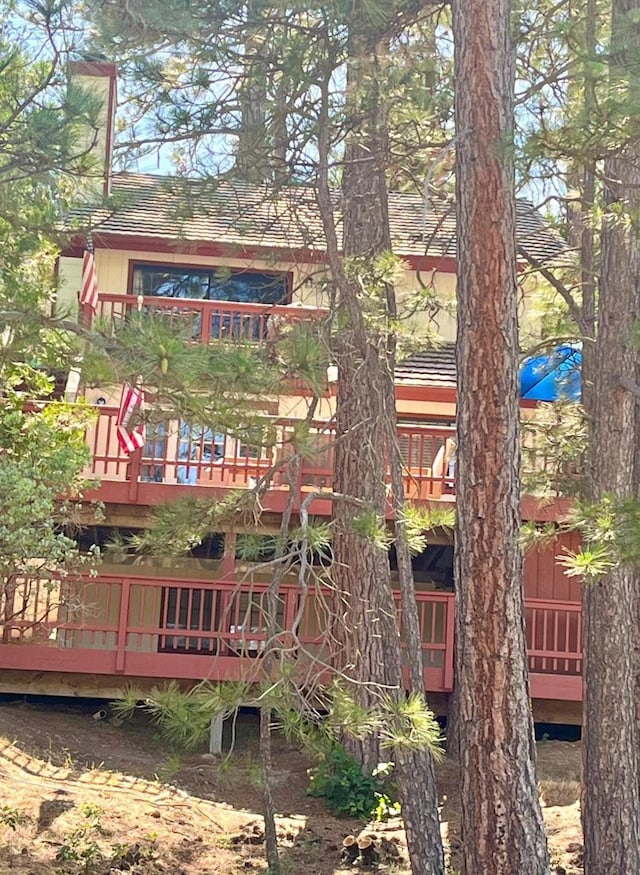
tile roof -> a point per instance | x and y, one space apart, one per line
246 214
429 367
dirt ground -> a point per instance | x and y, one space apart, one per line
99 798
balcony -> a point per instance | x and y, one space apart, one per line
206 321
177 461
136 626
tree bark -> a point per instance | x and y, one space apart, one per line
502 826
370 635
268 808
582 177
611 801
253 159
414 769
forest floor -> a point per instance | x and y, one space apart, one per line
95 798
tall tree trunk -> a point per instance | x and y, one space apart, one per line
611 802
502 826
253 160
371 635
272 669
582 178
415 770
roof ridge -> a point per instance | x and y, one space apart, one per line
298 186
238 213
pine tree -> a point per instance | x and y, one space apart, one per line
42 445
502 825
611 801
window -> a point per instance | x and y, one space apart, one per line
197 446
210 284
154 453
421 440
226 286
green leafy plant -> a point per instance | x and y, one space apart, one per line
348 791
12 817
371 527
81 845
125 856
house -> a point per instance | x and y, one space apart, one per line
231 260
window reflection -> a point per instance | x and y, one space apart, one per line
221 284
197 446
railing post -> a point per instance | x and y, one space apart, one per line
205 324
449 638
123 622
85 316
135 465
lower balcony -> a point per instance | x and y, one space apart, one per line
145 627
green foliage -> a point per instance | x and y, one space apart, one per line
12 817
314 537
206 385
43 453
170 768
346 790
534 534
256 548
610 533
184 717
180 716
81 845
304 441
371 527
590 563
175 529
554 446
304 355
402 724
41 160
419 521
598 522
42 156
409 724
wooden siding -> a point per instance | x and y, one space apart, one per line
544 578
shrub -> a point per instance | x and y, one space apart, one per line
347 790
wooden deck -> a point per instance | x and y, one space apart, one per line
180 461
206 321
144 627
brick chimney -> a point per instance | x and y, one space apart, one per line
98 78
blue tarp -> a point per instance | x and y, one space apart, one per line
552 375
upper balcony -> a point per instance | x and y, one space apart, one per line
204 321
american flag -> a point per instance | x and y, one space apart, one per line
89 289
131 411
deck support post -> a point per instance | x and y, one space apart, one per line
215 734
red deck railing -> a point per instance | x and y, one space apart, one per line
137 626
204 321
177 457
